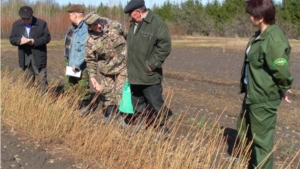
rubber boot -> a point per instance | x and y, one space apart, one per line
122 122
84 110
108 114
138 126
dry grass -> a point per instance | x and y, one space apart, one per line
53 118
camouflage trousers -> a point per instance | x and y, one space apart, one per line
81 84
112 90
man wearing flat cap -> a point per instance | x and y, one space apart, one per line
106 52
148 45
74 57
31 35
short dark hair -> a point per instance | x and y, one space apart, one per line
262 9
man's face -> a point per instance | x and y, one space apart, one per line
26 21
96 26
73 16
136 15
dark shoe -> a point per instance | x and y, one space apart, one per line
108 114
161 135
137 127
84 109
121 121
233 160
106 120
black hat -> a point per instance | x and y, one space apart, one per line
134 4
25 12
76 8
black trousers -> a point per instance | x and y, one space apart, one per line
148 99
33 74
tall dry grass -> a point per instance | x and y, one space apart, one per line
53 118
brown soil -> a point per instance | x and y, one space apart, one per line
204 82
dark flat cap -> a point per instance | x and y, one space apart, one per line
133 5
76 8
25 12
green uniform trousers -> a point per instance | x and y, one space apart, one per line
261 121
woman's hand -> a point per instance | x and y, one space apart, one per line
285 96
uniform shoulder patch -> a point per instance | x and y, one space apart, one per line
280 62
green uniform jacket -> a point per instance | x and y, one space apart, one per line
269 69
149 46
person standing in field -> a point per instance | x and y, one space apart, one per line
148 45
106 50
265 80
74 57
31 35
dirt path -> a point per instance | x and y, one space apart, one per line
204 81
20 152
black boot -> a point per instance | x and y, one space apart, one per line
139 120
121 120
84 109
162 129
108 113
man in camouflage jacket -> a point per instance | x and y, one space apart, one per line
106 50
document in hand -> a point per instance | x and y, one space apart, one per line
25 42
69 72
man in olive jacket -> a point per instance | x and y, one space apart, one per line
31 35
148 45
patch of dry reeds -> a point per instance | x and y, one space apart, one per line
54 118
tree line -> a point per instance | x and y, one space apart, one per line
191 17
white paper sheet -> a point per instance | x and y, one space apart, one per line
69 72
25 42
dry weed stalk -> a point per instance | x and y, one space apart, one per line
54 118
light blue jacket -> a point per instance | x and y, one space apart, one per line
77 50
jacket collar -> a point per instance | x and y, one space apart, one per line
266 33
149 16
95 35
33 22
81 24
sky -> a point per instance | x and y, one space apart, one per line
149 3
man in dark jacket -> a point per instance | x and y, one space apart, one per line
31 35
148 45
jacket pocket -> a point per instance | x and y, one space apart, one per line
79 46
145 42
147 69
256 60
147 35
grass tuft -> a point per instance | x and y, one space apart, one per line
54 118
